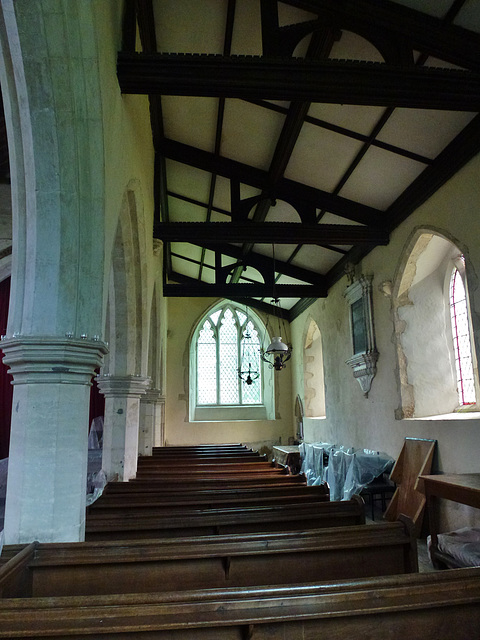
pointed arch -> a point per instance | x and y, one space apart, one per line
216 392
423 330
128 321
313 373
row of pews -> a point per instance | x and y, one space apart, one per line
215 542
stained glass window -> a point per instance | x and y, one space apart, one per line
227 341
461 340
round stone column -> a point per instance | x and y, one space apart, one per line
121 423
47 468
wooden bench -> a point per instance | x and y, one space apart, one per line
173 483
205 463
207 470
210 498
426 606
193 522
202 449
214 562
203 458
128 508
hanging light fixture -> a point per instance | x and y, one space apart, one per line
277 353
249 353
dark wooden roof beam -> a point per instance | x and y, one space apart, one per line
287 190
425 33
337 82
239 290
264 263
269 233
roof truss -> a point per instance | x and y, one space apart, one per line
397 32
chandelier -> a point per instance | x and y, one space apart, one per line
249 353
277 353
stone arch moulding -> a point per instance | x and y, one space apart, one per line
128 319
425 359
313 373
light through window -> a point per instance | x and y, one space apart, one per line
228 340
461 340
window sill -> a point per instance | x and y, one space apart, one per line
460 415
229 413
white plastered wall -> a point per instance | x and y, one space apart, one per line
371 422
183 315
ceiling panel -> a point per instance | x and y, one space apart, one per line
291 15
423 131
250 133
351 46
282 212
181 211
188 181
436 8
190 120
331 218
222 198
183 266
380 178
320 157
347 163
359 118
189 27
189 250
316 258
282 251
247 33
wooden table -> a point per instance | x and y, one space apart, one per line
459 487
287 456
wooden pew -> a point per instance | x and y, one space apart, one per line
193 522
210 498
212 562
137 508
207 470
202 449
205 463
203 458
174 483
426 606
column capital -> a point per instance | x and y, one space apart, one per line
153 395
52 359
121 386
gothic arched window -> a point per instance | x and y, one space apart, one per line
461 339
227 340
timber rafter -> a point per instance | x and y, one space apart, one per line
269 232
397 32
332 81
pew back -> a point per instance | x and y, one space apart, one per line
212 562
430 606
255 519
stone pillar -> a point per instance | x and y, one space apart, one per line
159 435
151 432
121 424
47 469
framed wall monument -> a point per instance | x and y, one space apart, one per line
365 354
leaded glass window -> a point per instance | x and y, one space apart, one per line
228 341
461 340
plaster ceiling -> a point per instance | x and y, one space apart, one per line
306 130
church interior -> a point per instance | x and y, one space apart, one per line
238 236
